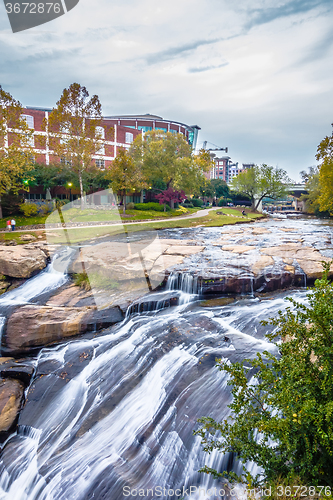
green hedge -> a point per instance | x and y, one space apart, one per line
196 202
151 206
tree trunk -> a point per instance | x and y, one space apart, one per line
164 207
172 202
81 190
124 202
0 209
141 196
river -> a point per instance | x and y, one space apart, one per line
107 416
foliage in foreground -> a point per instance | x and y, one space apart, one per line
282 409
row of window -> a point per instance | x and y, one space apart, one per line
100 130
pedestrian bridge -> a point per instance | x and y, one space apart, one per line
297 189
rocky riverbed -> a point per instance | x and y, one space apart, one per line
254 258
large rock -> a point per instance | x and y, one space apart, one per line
32 327
21 262
11 393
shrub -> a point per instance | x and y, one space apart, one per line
45 208
130 206
82 280
283 404
29 209
197 203
151 206
224 201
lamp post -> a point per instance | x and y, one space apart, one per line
69 184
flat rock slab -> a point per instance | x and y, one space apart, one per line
72 296
31 327
18 369
21 262
11 394
238 248
184 250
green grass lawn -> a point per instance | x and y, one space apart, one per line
24 221
90 215
75 235
16 236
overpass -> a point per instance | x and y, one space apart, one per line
297 189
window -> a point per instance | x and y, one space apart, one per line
29 120
29 140
128 137
100 132
144 128
64 161
101 150
100 163
161 128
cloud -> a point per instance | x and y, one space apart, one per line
174 52
265 15
206 68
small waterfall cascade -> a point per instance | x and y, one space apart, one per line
51 278
186 283
181 289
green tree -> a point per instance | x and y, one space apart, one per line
15 145
325 156
220 187
125 176
282 419
49 176
260 182
167 157
311 178
76 130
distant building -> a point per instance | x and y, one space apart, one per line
153 122
118 132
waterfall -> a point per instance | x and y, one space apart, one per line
49 279
186 283
118 411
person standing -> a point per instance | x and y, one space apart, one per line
13 224
8 225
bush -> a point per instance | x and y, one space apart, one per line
224 201
82 280
45 208
197 203
285 400
130 206
29 209
151 206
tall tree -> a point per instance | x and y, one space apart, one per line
125 176
311 199
168 157
75 130
325 156
220 187
260 182
15 145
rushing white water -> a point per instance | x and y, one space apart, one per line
49 279
119 411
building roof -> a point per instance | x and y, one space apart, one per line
148 116
36 108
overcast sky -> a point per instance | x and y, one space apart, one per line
256 76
